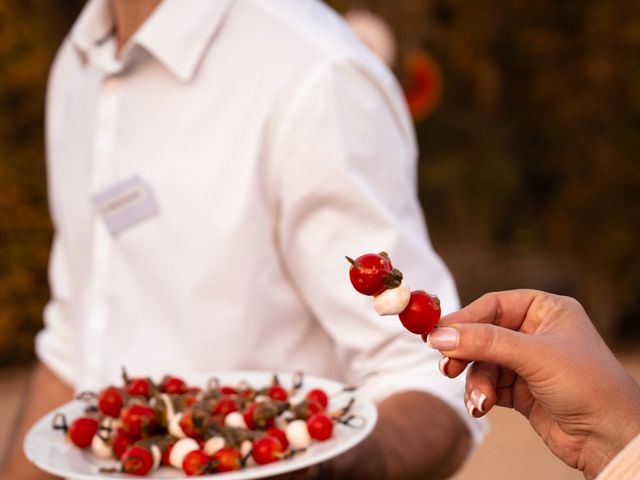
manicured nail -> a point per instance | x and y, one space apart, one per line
470 408
442 365
444 338
477 399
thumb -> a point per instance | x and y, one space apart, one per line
486 343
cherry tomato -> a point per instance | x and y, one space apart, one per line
167 452
191 396
121 441
225 406
307 408
189 425
320 426
279 435
259 415
137 419
267 450
227 390
319 396
372 273
247 393
82 430
137 461
248 415
110 402
227 459
421 314
173 385
196 463
277 392
138 387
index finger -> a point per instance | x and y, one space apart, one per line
508 309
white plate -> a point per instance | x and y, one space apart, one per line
50 451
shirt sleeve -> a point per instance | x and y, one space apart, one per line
55 343
345 162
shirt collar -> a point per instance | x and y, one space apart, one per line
93 25
177 33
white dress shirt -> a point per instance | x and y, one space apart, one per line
274 144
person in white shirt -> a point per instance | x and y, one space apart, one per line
209 166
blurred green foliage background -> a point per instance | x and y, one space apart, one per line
529 173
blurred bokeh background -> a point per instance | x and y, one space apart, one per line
528 119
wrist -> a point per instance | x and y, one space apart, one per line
618 430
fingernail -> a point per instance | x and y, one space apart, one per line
444 338
470 408
442 365
478 398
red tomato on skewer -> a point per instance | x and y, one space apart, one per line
277 392
138 387
373 273
121 441
320 427
137 419
173 385
82 430
110 402
227 459
319 396
137 461
422 313
267 450
197 463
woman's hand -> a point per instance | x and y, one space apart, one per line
540 354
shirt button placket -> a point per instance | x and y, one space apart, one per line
103 163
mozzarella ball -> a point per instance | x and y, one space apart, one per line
235 419
180 450
100 448
298 434
212 445
392 301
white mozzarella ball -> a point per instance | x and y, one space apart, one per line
298 434
100 448
174 426
392 301
180 450
235 419
212 445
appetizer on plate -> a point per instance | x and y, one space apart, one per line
218 428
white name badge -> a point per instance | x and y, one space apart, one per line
125 204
